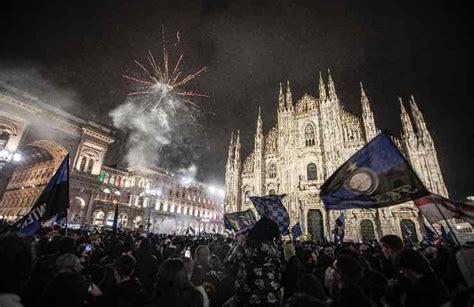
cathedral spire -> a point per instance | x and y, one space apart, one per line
289 96
237 149
259 122
367 116
281 100
331 87
418 117
230 155
407 127
322 88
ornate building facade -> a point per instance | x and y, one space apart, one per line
311 139
44 135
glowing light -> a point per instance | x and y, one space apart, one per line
161 85
17 157
221 192
186 180
212 189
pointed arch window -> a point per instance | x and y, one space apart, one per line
311 172
309 136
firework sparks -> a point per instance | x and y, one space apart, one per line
159 85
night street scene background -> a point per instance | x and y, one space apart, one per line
236 153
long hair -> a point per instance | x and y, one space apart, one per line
201 255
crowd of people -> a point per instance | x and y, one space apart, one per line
84 267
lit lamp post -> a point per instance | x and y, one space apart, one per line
7 156
156 193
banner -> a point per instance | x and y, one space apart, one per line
53 202
376 176
296 230
240 222
436 208
271 207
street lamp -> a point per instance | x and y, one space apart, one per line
7 156
157 194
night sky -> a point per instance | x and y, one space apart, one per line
82 49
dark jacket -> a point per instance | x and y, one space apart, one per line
185 297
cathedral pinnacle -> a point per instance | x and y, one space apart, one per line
418 118
289 98
322 88
259 122
281 99
407 127
331 87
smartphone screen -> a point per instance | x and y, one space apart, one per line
88 248
187 253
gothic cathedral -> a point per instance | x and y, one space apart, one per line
311 139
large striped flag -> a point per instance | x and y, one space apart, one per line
52 203
271 207
437 208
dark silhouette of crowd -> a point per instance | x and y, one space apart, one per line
99 268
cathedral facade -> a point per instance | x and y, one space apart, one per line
312 138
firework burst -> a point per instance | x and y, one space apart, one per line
160 85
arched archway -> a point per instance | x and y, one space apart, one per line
315 224
367 232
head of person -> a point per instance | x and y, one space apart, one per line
288 250
69 263
215 262
348 270
172 275
16 262
145 244
391 246
67 245
264 230
328 250
413 264
124 267
201 254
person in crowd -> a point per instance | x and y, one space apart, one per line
348 276
197 279
173 287
17 260
128 291
293 272
147 265
426 288
201 257
258 265
308 292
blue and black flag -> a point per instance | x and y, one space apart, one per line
376 176
296 230
52 203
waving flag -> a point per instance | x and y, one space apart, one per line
240 222
271 207
296 230
376 176
53 202
436 208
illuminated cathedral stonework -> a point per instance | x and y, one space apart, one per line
311 139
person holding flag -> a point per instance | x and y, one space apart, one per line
52 203
339 228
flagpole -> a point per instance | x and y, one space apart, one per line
446 221
67 218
